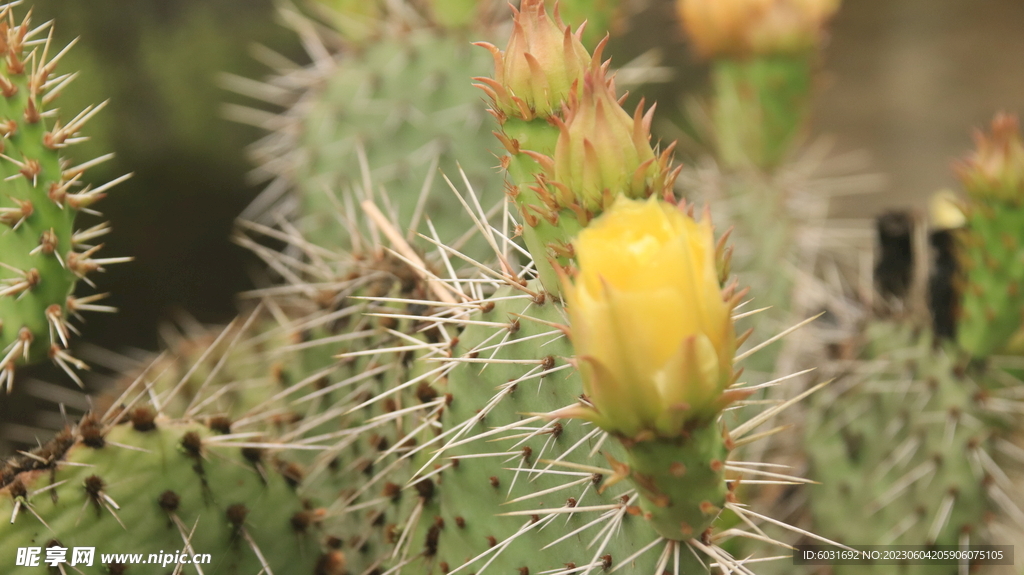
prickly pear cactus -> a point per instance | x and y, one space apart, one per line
42 256
165 491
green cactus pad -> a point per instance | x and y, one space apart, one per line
146 485
387 116
41 255
993 299
904 450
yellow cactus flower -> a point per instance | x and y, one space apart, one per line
996 169
754 27
653 335
543 63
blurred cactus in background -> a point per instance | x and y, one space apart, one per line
993 243
907 444
942 471
764 53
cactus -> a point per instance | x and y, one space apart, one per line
392 454
929 456
910 455
43 256
993 305
392 112
132 482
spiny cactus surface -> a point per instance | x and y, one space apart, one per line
136 483
906 450
392 111
42 256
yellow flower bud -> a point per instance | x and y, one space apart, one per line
652 332
946 211
542 65
996 169
749 27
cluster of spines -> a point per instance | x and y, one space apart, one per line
41 255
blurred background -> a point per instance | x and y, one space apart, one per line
905 82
